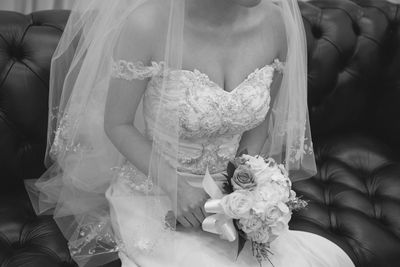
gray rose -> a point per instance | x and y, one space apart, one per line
243 178
239 161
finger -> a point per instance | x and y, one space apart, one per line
192 220
204 211
198 214
170 219
184 222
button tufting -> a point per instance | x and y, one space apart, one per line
316 31
16 52
356 28
16 245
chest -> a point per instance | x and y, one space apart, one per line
227 62
204 109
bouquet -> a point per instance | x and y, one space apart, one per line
255 205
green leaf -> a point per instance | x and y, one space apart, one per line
241 242
242 238
227 188
230 170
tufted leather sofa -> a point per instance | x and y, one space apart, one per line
354 102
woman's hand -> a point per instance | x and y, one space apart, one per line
190 200
190 206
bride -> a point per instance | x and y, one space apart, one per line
145 96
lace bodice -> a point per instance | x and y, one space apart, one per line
211 120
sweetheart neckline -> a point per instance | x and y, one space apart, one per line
198 72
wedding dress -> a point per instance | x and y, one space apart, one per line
101 202
211 122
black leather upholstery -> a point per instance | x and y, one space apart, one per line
26 47
354 97
354 102
27 43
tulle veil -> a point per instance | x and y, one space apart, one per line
81 160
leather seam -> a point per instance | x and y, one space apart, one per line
34 72
7 73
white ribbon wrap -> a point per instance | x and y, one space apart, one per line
218 223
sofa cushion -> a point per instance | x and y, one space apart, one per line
354 199
27 239
27 43
353 65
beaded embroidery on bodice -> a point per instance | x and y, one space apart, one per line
211 120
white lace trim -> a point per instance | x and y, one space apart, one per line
129 71
278 65
137 70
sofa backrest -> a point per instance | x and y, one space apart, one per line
353 63
27 43
354 67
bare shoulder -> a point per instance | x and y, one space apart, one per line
149 19
277 29
144 29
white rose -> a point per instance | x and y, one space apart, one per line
285 173
260 236
250 224
273 213
283 207
260 207
265 193
283 170
237 204
273 193
277 176
283 191
280 226
259 167
292 195
256 163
